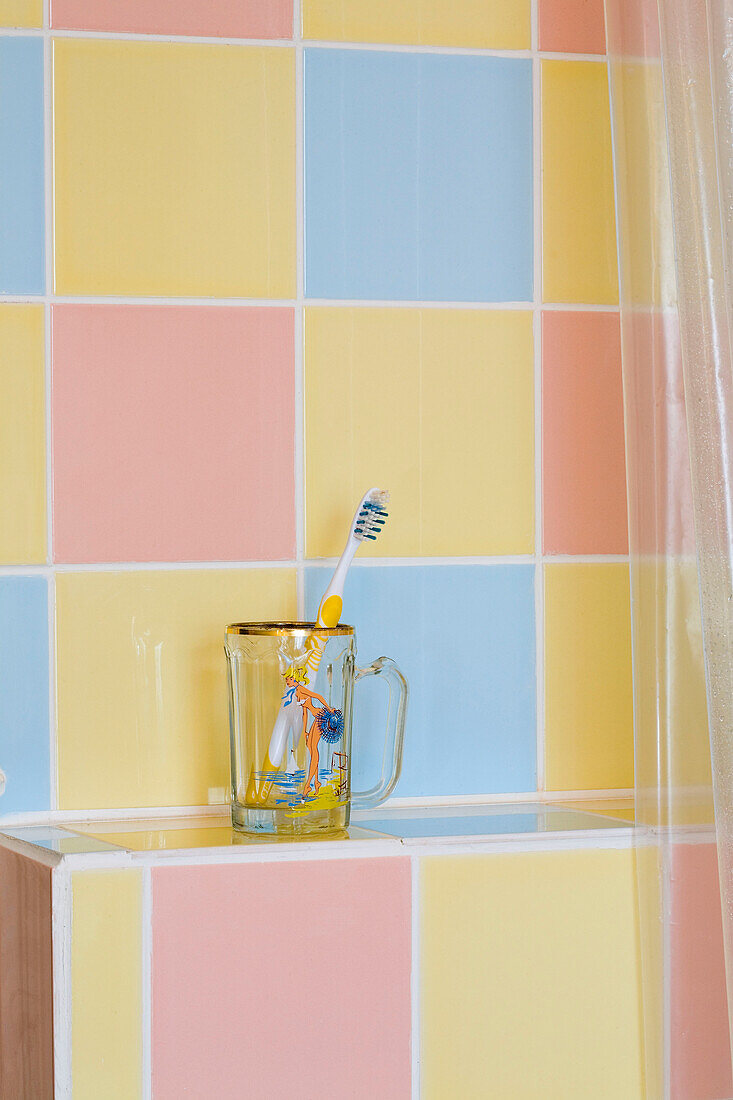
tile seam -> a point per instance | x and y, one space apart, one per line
539 601
415 975
288 43
299 364
146 981
61 917
292 303
48 168
367 563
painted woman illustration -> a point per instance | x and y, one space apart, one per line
327 722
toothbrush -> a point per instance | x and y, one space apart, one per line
369 518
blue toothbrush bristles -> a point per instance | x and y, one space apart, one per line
372 516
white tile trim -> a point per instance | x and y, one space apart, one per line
146 1022
61 917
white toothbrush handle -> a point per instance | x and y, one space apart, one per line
286 717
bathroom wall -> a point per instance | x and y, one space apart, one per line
247 273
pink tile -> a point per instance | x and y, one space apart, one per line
572 26
583 463
633 27
282 979
701 1066
656 425
173 433
205 18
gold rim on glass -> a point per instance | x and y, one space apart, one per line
293 630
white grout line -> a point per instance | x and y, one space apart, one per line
285 43
666 917
363 563
61 914
415 975
146 980
49 265
291 303
539 597
299 365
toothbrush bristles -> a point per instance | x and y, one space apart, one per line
372 515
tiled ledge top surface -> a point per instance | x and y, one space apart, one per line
210 836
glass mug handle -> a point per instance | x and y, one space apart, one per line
399 693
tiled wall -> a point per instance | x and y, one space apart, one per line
445 975
248 273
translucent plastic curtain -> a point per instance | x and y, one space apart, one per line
697 53
670 81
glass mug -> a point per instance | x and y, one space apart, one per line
291 688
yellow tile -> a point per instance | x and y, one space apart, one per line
437 406
22 436
674 780
175 169
578 218
530 977
653 911
622 808
106 985
499 25
645 205
21 13
141 680
589 739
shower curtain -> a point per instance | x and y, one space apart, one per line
671 88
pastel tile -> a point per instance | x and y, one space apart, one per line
141 689
589 737
660 485
464 636
22 435
646 237
106 985
700 1039
204 18
530 976
163 202
418 176
633 28
427 403
26 990
158 412
24 679
583 458
502 25
21 13
572 26
22 202
666 604
578 219
337 1020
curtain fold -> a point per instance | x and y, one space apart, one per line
671 82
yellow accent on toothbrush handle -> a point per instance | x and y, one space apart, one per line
329 613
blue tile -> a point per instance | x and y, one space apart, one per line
504 825
24 715
22 249
418 176
465 638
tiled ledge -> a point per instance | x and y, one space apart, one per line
208 838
